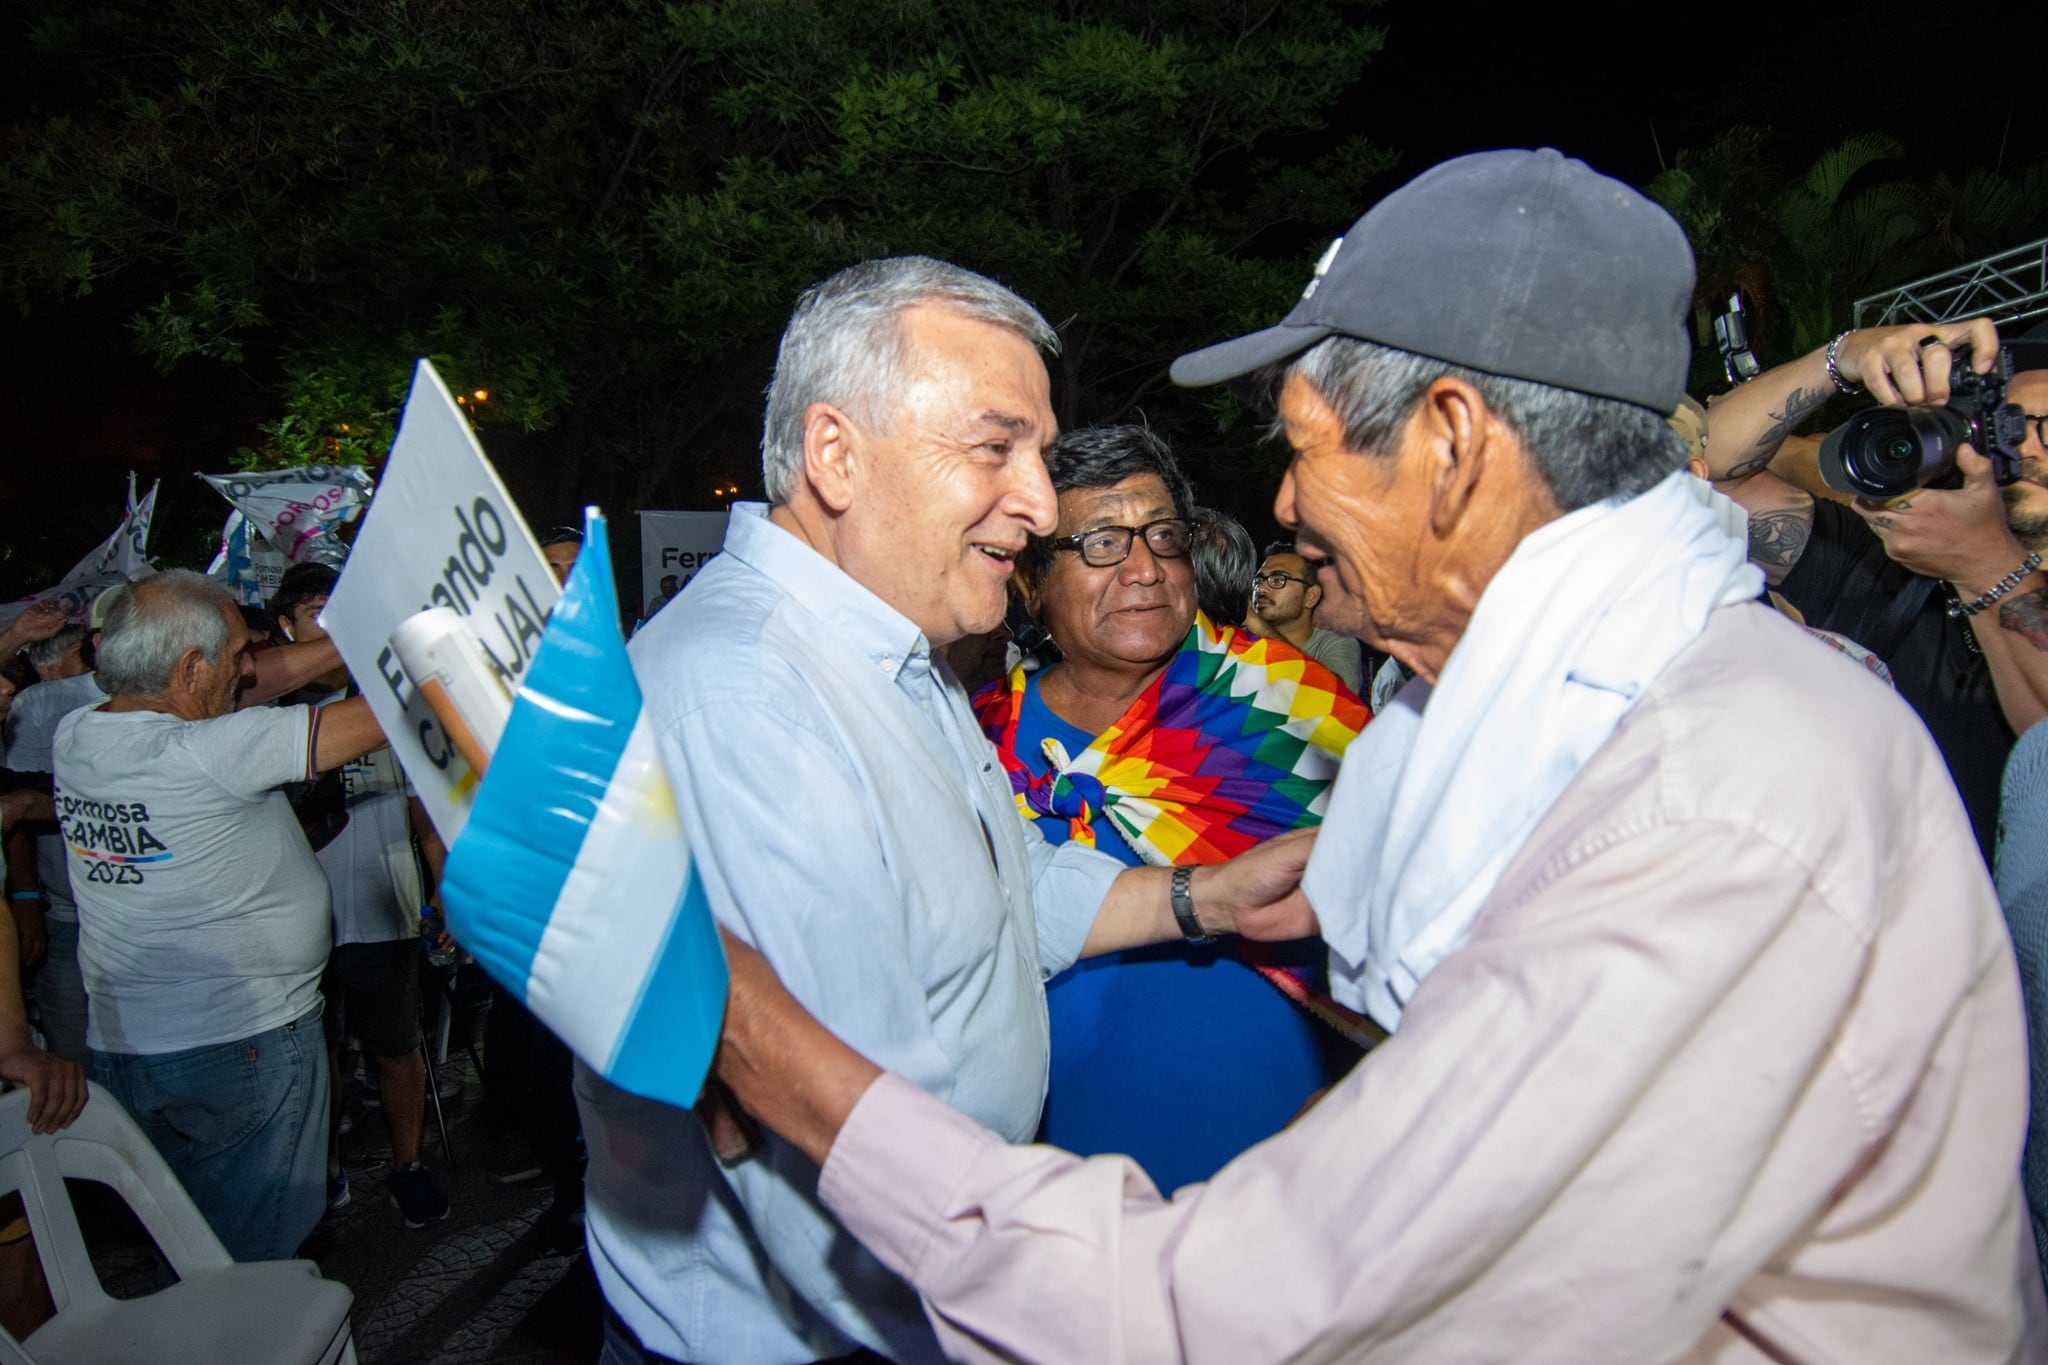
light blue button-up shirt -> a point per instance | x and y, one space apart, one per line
849 819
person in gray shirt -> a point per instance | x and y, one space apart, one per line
1284 599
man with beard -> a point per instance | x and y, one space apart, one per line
1899 578
1284 604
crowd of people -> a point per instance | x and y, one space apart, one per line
1544 909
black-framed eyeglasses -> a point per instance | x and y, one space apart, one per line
1104 546
2039 422
1277 581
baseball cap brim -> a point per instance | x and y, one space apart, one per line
1242 355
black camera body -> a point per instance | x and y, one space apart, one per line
1884 453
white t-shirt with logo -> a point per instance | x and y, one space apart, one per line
31 729
203 915
370 864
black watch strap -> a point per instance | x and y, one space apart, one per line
1184 906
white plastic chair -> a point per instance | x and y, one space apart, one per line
219 1310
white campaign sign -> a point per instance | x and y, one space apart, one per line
122 557
678 544
297 511
441 532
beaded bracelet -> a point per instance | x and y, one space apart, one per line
1834 370
1997 590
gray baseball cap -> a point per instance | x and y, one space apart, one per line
1523 264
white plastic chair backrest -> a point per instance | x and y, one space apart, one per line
102 1144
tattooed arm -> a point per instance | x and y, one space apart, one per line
1962 535
1746 427
1778 535
2017 651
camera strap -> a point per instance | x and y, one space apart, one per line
1898 617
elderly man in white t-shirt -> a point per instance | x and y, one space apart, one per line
203 914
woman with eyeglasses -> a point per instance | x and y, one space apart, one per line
1160 738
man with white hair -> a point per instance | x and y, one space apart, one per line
846 815
39 887
61 656
203 914
1707 1041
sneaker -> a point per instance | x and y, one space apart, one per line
417 1196
512 1160
337 1192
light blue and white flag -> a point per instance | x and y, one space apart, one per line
572 882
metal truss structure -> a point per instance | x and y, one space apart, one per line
2009 287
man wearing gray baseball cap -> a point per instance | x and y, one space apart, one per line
1706 1041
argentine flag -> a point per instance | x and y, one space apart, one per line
571 882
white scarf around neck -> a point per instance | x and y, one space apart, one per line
1439 793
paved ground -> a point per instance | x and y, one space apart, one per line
499 1281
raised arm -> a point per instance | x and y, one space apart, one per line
1746 428
343 730
287 668
37 621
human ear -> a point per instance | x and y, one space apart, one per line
1454 430
190 668
829 456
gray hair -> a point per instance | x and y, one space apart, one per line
152 626
1225 559
843 346
1586 449
44 654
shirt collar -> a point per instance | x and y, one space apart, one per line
827 592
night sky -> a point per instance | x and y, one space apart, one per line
1623 88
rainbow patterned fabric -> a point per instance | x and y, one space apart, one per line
1238 740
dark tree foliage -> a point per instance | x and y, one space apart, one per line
599 214
1804 240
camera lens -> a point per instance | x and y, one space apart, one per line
1884 452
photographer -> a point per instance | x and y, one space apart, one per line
1876 572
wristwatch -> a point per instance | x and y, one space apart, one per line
1184 907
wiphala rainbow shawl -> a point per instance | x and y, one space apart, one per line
1237 741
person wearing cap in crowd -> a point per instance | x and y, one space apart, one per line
1707 1039
1945 585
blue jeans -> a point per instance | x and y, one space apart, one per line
243 1125
60 994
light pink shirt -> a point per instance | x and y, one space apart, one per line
1732 1068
